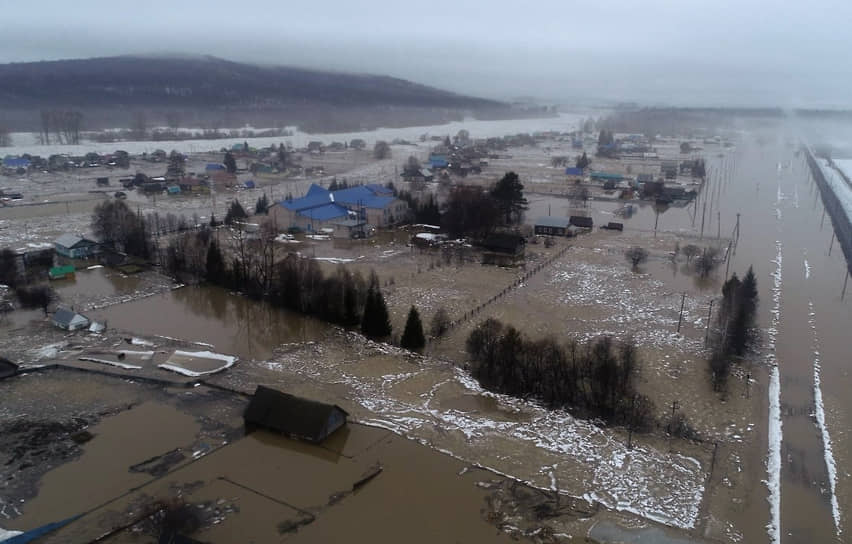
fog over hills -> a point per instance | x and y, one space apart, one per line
210 91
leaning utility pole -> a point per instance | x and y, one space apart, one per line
680 318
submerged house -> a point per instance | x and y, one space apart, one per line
503 249
75 247
7 368
70 320
293 416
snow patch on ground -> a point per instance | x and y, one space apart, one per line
773 461
656 484
819 409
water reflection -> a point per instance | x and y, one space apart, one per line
232 323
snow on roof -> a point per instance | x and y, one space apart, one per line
70 240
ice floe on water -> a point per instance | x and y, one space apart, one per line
197 363
819 411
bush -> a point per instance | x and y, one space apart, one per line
636 256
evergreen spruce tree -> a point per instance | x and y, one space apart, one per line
413 338
215 264
376 320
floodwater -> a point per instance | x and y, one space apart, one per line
800 273
785 237
477 129
212 316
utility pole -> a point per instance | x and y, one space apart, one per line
703 213
843 294
748 385
718 225
680 318
632 419
707 328
675 406
831 244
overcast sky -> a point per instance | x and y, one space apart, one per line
740 52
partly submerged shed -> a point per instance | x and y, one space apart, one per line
294 416
7 368
70 320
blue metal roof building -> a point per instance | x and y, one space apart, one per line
438 161
572 171
16 162
374 203
214 166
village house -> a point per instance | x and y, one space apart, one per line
553 226
345 211
293 416
75 247
70 320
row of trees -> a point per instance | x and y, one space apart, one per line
63 125
118 227
596 379
295 283
474 211
736 319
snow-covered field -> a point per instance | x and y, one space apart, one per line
441 405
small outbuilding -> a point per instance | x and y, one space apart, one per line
293 416
582 222
61 272
70 320
7 368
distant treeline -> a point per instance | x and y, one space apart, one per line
596 379
677 121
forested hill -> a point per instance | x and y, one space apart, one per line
201 82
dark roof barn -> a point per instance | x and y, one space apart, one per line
294 416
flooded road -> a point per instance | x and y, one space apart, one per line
785 237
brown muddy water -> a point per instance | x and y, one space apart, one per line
800 277
800 273
212 316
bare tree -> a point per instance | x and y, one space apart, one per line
636 255
5 137
173 120
139 124
690 251
381 150
707 262
440 323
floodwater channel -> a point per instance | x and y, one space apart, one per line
787 238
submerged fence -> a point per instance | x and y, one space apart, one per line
839 220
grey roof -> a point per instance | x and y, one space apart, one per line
289 414
66 316
70 240
561 222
